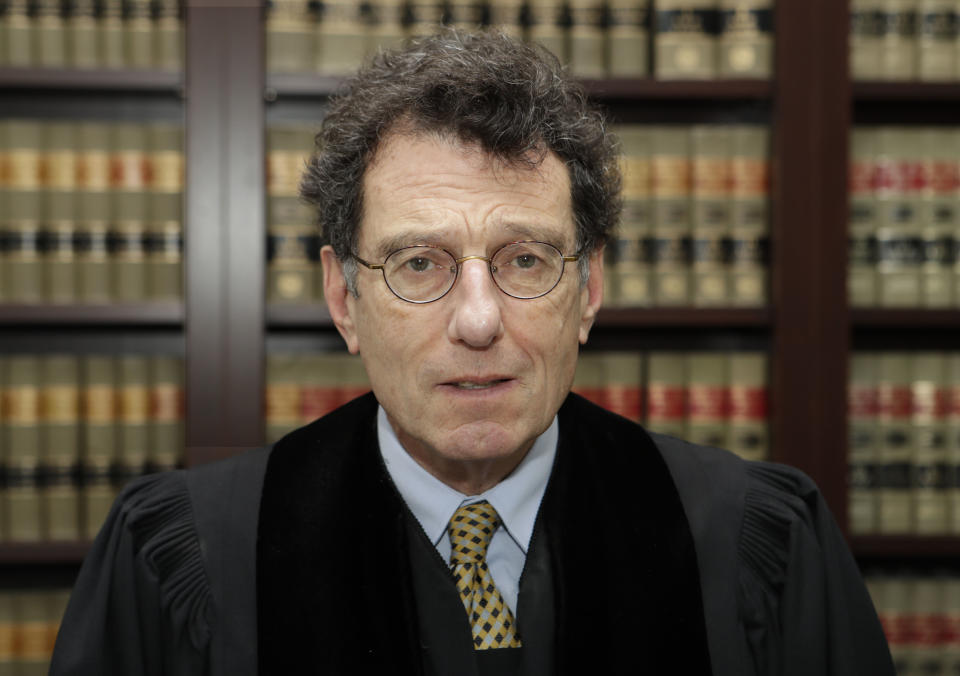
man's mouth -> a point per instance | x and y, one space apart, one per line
478 385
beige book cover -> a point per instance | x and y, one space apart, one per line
138 28
291 31
341 38
745 39
937 40
670 189
8 632
894 401
708 383
168 35
49 34
424 17
747 423
623 383
466 14
283 395
133 442
586 38
129 184
666 395
747 256
354 380
628 38
321 382
100 400
629 268
33 635
20 504
939 215
507 16
17 48
929 461
385 18
685 40
22 273
898 52
93 213
82 35
710 192
166 394
164 228
545 25
953 442
59 210
589 380
867 22
111 35
60 450
862 224
862 444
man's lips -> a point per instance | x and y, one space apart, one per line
475 383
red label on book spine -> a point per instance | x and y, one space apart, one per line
665 402
748 403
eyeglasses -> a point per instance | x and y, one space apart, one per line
423 274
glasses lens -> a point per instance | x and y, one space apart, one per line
420 273
527 269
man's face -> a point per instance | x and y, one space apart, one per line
470 380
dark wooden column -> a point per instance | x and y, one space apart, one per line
224 228
811 331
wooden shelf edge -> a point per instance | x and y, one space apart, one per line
138 314
904 318
154 81
71 553
313 315
905 91
904 546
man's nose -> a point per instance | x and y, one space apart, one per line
476 318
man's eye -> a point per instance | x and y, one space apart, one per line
525 261
419 264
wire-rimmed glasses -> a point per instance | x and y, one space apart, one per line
425 273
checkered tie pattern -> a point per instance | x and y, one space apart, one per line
471 529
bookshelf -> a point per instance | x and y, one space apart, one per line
225 325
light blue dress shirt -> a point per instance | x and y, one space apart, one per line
516 499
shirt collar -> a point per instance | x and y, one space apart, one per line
516 498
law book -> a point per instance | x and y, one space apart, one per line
8 627
94 202
862 454
937 40
927 624
3 445
894 400
710 197
546 24
708 383
4 198
82 35
893 600
629 270
138 34
290 36
49 33
896 187
22 273
670 191
685 40
59 207
165 381
21 498
341 37
60 449
292 238
862 223
99 432
628 38
867 22
163 237
953 444
939 216
507 16
748 244
745 48
128 183
320 385
929 471
133 438
585 41
283 395
32 633
423 17
168 34
385 19
747 406
113 54
466 14
17 29
951 624
623 383
666 399
899 40
354 381
589 380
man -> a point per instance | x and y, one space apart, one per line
470 516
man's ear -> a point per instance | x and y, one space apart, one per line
339 299
591 296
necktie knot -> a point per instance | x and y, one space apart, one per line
471 529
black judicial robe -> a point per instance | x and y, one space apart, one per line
293 559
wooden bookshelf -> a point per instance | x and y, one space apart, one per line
43 553
100 80
159 314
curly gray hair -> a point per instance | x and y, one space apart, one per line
512 99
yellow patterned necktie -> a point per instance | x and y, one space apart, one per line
471 530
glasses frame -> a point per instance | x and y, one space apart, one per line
458 263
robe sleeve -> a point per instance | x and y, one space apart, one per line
803 603
141 602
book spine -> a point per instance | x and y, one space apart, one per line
166 412
49 34
711 214
939 216
290 32
59 195
3 452
23 274
748 248
898 177
546 24
100 406
951 624
708 389
867 22
466 14
18 48
133 447
862 239
507 16
168 35
927 624
623 383
354 381
862 459
321 380
81 34
93 213
746 39
60 452
128 180
423 17
685 41
4 199
937 40
670 189
589 379
385 18
586 38
894 400
283 395
895 616
666 393
953 442
137 34
341 38
747 434
21 505
629 270
164 232
899 40
32 633
929 462
8 632
111 35
628 37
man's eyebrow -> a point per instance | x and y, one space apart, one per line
405 238
442 236
539 233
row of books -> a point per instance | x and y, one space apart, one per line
694 229
920 615
904 40
302 387
74 429
29 622
904 223
691 39
112 34
717 399
904 443
90 212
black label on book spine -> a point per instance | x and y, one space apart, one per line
862 250
281 247
746 21
669 249
23 242
708 249
940 26
125 243
863 475
91 244
895 475
629 17
903 24
705 21
749 251
58 243
930 476
899 250
166 244
867 24
939 250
